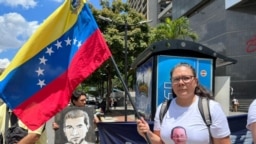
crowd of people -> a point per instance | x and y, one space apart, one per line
181 124
75 125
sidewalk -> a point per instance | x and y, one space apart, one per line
236 113
118 115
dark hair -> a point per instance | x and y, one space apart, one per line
76 95
199 90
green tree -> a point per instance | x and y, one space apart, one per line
173 29
138 38
114 33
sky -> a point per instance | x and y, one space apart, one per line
19 19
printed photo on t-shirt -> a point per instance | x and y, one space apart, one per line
179 135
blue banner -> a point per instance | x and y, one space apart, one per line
126 132
120 133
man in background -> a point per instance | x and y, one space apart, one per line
235 104
37 136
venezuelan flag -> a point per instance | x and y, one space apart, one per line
64 50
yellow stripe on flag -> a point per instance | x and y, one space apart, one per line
60 21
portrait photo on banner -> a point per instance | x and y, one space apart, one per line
76 126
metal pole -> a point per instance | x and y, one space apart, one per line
126 53
125 69
137 114
127 94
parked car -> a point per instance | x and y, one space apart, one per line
117 94
90 99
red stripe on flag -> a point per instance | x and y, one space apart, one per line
55 96
90 56
46 103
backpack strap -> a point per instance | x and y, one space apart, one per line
203 105
164 108
7 118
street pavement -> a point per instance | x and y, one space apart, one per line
118 115
236 113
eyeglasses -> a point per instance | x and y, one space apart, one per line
185 79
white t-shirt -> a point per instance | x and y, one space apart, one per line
235 101
251 117
191 120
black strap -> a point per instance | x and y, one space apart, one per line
7 118
164 109
203 105
13 118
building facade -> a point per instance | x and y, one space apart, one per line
226 26
155 10
229 28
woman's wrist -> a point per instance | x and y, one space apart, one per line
148 134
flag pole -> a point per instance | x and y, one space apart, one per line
129 95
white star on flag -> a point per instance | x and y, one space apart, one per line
43 60
40 71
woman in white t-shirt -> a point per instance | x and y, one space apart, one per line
251 120
184 112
